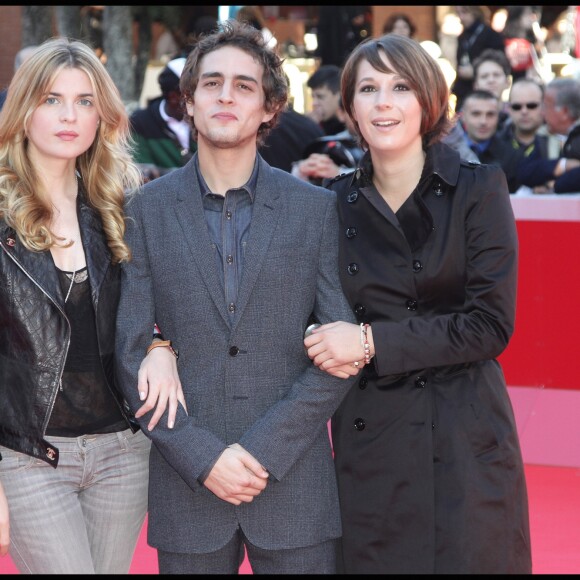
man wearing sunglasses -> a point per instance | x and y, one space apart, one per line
561 108
525 130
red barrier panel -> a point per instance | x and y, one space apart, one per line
545 348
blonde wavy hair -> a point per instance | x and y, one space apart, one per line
107 169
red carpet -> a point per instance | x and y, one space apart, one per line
554 495
554 516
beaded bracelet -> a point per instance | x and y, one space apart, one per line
364 341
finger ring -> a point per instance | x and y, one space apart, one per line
356 363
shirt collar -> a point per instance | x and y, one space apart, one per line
479 146
162 112
249 186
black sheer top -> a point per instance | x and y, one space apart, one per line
84 404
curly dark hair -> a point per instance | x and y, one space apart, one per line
247 38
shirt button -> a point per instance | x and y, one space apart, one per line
417 266
352 269
231 307
229 215
234 350
359 424
230 259
411 304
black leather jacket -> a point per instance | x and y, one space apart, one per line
35 333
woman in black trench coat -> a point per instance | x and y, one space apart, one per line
429 466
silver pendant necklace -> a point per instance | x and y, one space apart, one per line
72 281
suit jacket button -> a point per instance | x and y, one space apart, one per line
352 269
351 233
234 350
359 424
362 384
359 309
352 197
417 266
411 304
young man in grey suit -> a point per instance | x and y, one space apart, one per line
230 258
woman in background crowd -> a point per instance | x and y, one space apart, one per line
476 36
400 23
522 43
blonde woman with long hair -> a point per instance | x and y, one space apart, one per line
73 462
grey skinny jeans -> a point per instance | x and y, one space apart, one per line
85 516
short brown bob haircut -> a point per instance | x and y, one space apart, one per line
423 73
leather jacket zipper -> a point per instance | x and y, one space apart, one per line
67 345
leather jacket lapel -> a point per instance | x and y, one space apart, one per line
38 266
97 253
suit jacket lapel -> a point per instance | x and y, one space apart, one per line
191 217
265 215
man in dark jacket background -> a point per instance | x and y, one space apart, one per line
163 139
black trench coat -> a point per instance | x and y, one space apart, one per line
429 466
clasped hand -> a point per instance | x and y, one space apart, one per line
335 348
237 476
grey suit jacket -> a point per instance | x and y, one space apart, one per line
245 380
